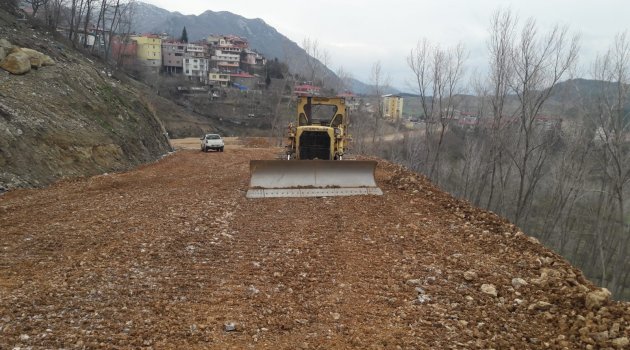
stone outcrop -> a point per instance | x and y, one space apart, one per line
44 60
16 63
17 60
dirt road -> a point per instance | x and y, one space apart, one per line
172 255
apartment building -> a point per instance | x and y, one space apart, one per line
196 50
226 61
252 58
226 52
173 56
215 78
196 62
149 50
196 68
392 106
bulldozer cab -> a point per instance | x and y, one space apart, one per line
321 111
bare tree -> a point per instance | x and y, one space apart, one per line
52 12
36 5
437 72
74 9
612 121
87 20
279 92
379 83
345 80
317 61
539 63
474 152
502 33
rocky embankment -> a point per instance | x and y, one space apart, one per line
63 114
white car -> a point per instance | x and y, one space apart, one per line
212 141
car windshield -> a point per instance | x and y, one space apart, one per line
213 137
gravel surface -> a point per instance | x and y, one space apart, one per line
172 255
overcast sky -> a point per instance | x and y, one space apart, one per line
357 33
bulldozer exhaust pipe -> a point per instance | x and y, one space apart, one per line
311 178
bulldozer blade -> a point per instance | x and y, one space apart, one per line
311 178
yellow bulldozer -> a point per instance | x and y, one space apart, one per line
314 165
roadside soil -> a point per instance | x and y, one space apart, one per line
230 142
172 255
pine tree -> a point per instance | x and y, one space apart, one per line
184 38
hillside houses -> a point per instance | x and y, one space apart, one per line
217 61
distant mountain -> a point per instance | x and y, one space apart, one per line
581 89
361 88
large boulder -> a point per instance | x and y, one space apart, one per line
36 56
16 63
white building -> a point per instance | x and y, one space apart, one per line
196 50
196 68
226 61
216 78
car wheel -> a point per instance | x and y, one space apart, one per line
221 149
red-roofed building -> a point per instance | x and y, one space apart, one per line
306 90
244 79
242 75
124 51
352 101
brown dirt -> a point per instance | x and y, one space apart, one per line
166 255
230 142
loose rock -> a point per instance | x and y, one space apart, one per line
229 327
540 306
595 299
620 343
489 289
601 336
518 283
470 275
414 282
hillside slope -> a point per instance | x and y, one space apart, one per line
74 118
168 256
